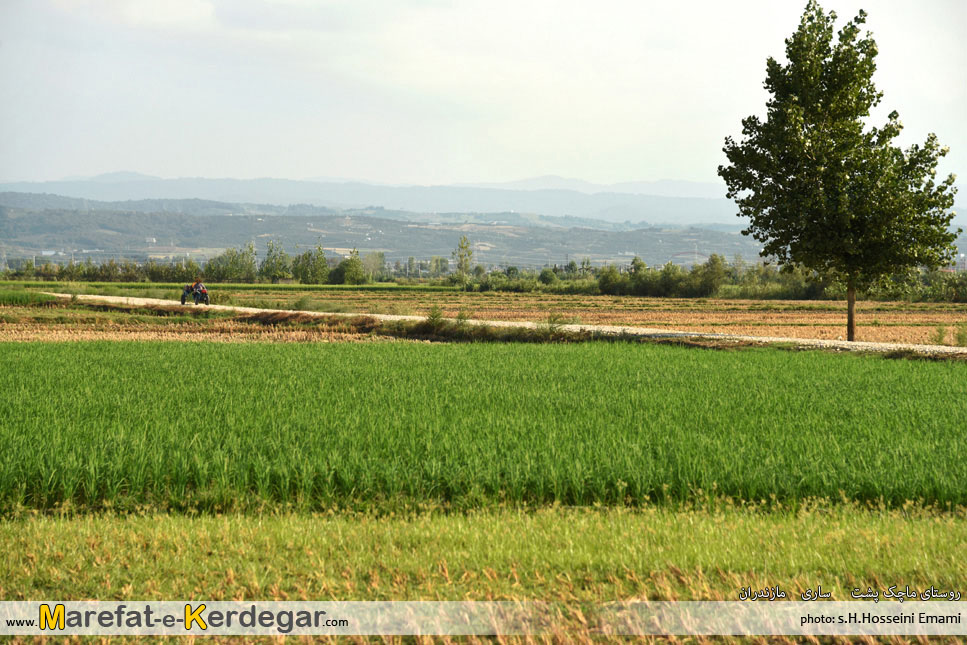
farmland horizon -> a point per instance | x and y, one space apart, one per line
664 186
665 202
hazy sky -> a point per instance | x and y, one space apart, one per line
429 92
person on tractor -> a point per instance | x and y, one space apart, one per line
197 291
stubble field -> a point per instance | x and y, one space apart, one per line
886 322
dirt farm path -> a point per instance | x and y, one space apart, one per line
645 332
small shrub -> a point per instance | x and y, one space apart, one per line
939 335
555 321
434 318
552 325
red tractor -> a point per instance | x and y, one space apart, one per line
197 291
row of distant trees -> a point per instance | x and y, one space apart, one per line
241 265
234 265
309 267
716 277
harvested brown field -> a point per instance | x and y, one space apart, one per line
271 316
65 322
885 322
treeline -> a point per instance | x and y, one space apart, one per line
234 265
714 278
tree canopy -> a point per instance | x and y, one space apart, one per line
277 265
820 188
311 267
234 265
463 256
349 271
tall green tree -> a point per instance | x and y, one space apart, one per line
439 265
349 271
824 191
463 256
277 265
374 264
234 265
311 267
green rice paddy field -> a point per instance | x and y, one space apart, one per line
577 473
389 426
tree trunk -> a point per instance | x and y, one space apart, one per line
850 312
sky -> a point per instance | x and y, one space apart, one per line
430 92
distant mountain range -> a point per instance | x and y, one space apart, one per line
636 203
45 225
629 204
663 188
37 202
